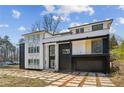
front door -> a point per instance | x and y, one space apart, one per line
65 57
52 56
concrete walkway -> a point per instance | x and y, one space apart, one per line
70 79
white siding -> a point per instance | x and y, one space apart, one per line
88 28
31 43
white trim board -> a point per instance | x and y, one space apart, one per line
76 36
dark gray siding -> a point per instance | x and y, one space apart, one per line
22 56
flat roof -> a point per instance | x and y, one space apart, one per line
92 23
36 32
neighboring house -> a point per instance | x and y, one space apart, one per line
84 48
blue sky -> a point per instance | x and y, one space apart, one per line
18 20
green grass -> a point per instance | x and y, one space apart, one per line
12 81
118 54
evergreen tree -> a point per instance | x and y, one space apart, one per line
113 42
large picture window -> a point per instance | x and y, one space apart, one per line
97 46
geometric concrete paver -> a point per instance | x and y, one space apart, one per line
58 79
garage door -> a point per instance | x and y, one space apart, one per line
88 64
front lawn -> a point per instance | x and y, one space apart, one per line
11 81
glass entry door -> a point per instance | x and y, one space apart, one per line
52 56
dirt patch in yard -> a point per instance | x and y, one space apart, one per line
10 81
118 77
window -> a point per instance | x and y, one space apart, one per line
38 37
33 37
29 50
52 63
97 46
30 62
37 61
81 30
38 50
52 50
77 31
97 27
35 49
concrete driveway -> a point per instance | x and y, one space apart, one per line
57 79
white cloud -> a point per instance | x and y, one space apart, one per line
120 20
95 20
74 24
112 30
21 28
62 18
64 30
4 25
121 7
16 14
49 8
65 10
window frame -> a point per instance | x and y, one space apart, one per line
37 49
97 27
96 47
77 31
81 31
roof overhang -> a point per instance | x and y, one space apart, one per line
76 36
109 20
36 32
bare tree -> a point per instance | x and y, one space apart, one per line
50 24
37 26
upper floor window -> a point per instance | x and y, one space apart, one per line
38 49
38 37
79 30
35 37
97 27
34 49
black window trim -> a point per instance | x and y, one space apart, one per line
97 27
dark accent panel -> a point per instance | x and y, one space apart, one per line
106 45
106 51
89 63
65 52
22 56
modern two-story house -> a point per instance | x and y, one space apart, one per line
83 48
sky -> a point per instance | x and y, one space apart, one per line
17 20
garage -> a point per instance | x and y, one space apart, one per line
88 63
